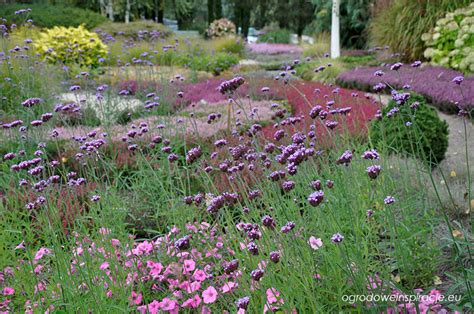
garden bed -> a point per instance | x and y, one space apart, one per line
434 83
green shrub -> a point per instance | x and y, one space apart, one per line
426 138
451 42
403 22
276 36
306 71
212 63
229 44
139 29
47 16
71 46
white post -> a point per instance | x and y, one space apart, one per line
127 11
335 45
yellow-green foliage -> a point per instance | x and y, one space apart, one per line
451 42
228 44
71 45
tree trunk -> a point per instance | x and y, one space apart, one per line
245 21
102 8
110 10
161 11
335 34
210 11
127 11
218 9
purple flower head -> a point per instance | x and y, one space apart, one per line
379 73
316 198
182 243
458 80
243 303
389 200
257 274
337 238
371 154
374 171
275 256
290 225
30 102
345 158
193 154
288 186
231 85
252 248
396 66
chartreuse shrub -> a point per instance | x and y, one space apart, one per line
451 42
413 129
401 24
47 15
71 46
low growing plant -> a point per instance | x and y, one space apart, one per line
451 42
71 46
412 128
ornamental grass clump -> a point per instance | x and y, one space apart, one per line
71 46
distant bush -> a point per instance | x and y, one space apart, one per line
451 42
400 27
71 46
416 132
48 16
221 28
276 36
212 63
145 30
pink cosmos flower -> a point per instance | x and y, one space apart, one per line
115 242
154 307
104 266
38 269
41 252
193 302
209 295
199 275
273 296
189 265
168 304
142 309
315 243
8 291
155 268
136 298
229 286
